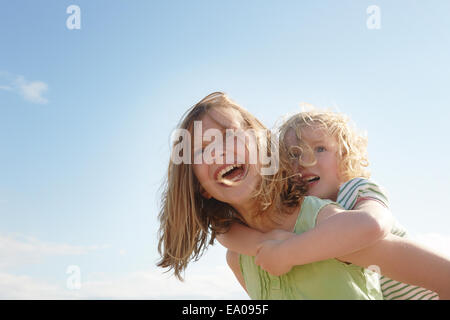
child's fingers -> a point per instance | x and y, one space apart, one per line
258 258
258 249
258 261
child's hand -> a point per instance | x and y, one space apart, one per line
270 259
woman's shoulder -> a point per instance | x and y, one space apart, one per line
311 206
312 201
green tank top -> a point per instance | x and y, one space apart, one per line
324 280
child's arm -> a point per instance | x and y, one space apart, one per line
245 240
337 233
408 262
241 239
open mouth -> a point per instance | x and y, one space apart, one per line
232 175
312 179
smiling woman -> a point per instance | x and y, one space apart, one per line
197 202
202 198
218 178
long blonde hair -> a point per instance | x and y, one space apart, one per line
188 221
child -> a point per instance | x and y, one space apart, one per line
330 156
202 198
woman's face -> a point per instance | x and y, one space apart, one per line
224 173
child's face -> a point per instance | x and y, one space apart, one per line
224 182
323 177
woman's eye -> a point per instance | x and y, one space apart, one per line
199 152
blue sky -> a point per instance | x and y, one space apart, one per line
86 116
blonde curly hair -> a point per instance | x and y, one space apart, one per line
352 143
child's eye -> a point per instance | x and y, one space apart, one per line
320 149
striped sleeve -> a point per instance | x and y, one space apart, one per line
348 195
357 188
394 290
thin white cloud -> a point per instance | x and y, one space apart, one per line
218 284
31 91
18 250
7 88
208 278
435 241
25 287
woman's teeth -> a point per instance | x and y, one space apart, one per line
233 180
